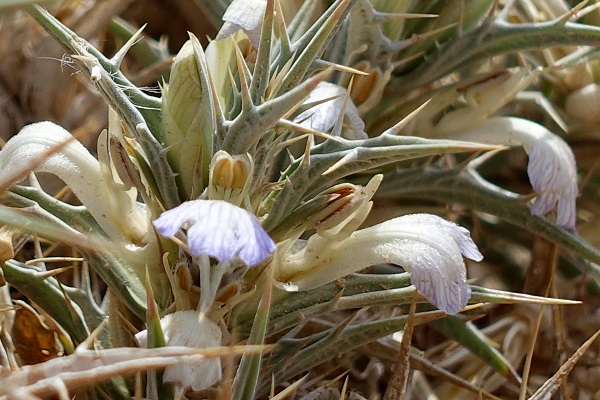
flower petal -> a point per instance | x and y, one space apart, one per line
552 170
460 235
189 329
218 229
323 116
438 275
246 15
553 173
435 263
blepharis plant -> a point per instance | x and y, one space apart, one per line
321 199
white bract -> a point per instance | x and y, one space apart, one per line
190 329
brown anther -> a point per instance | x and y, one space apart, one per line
183 275
240 174
223 172
363 84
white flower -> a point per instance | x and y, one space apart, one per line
427 246
47 147
551 169
323 117
190 329
219 229
246 15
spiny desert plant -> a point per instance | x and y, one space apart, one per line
297 192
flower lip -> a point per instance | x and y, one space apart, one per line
220 230
553 173
441 275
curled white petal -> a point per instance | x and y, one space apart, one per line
219 229
323 116
553 174
189 329
427 246
113 208
552 170
246 15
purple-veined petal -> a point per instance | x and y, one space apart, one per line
433 256
553 173
218 229
323 116
460 235
552 169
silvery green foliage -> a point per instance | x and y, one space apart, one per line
250 169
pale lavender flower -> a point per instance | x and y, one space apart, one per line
246 15
218 229
323 117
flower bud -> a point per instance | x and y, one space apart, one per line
189 119
230 177
367 90
6 247
348 209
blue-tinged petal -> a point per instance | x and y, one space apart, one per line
323 116
441 282
218 229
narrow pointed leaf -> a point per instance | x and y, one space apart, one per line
495 37
469 336
249 370
312 44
